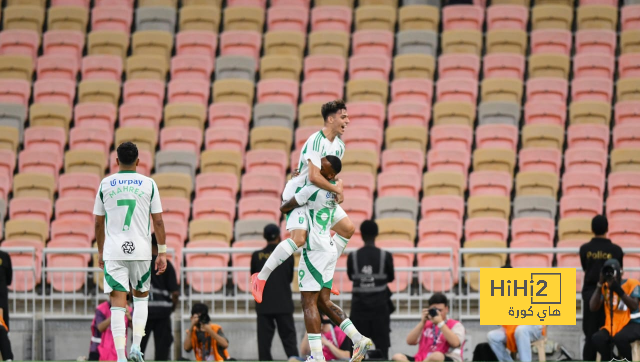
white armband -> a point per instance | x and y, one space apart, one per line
162 249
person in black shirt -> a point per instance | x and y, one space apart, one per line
6 278
370 269
592 257
163 298
277 303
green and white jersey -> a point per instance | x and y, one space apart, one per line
127 199
320 208
316 147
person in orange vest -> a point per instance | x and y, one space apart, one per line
622 317
511 339
205 338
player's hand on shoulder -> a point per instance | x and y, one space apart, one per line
161 263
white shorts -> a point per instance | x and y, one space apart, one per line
316 270
297 218
119 273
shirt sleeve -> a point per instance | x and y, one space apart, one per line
98 206
458 330
303 195
156 205
313 154
635 293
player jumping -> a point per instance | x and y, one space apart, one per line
125 205
322 143
318 263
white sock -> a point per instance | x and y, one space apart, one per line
341 243
118 329
281 253
315 343
140 313
350 330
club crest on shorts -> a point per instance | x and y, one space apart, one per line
128 247
300 220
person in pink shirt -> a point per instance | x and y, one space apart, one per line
102 347
335 343
438 338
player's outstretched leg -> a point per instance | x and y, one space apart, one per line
280 254
344 229
361 344
312 323
140 314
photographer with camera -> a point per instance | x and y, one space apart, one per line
206 339
622 317
438 338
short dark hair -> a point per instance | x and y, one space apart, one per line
335 162
332 107
127 153
439 298
199 308
369 229
599 225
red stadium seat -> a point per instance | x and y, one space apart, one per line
458 66
63 42
623 206
24 280
591 89
626 136
214 184
73 230
594 136
628 65
585 160
440 230
456 17
240 42
278 91
340 278
103 67
321 90
358 184
500 65
40 162
140 115
128 4
331 18
176 208
111 18
593 65
189 91
54 91
409 114
214 207
369 66
403 160
624 183
534 229
399 184
226 139
207 282
19 42
530 260
492 183
81 138
230 115
547 89
258 207
361 137
540 159
31 208
358 208
596 41
580 206
243 278
261 184
15 91
75 208
513 17
457 89
624 230
144 167
442 207
5 186
368 42
57 67
545 112
551 41
630 260
266 161
366 113
143 91
400 260
486 228
45 138
293 18
630 17
302 134
497 136
571 260
181 139
627 112
195 67
582 183
449 160
451 137
325 67
439 281
412 90
78 185
66 281
95 115
198 42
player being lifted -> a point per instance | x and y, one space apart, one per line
322 143
318 262
125 205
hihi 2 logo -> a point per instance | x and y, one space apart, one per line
528 296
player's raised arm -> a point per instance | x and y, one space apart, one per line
317 179
289 205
